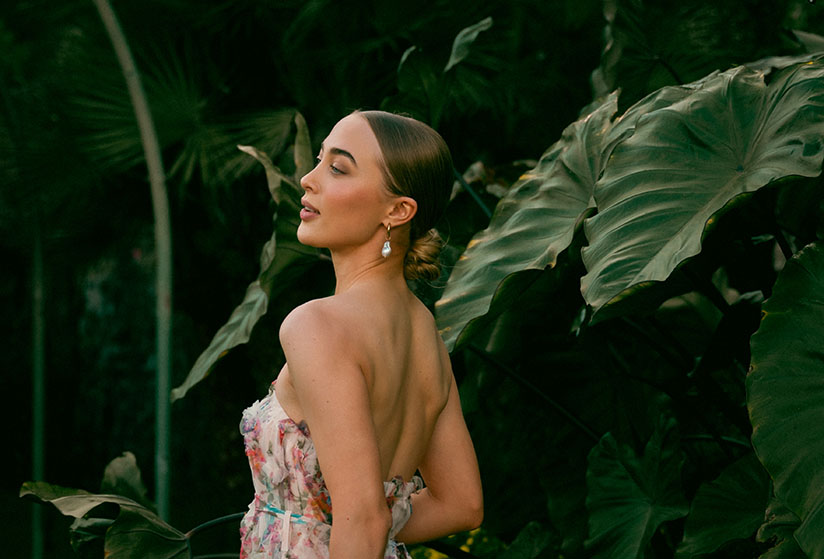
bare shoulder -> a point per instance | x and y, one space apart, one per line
317 320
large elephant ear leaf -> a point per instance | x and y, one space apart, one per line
629 496
282 259
685 162
785 393
136 532
727 508
532 224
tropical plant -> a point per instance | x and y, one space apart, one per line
636 255
127 526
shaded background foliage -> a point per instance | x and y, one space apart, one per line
537 397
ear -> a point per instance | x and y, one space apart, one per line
403 209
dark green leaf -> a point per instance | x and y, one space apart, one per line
655 43
785 393
136 533
71 502
281 260
463 42
235 332
778 528
532 224
629 497
685 162
727 508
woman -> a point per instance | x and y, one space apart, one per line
367 397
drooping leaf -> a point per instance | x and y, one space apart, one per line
283 188
629 496
532 224
136 532
729 507
282 259
685 162
785 393
235 332
71 502
463 42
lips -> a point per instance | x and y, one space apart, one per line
308 211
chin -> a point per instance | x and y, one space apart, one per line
305 238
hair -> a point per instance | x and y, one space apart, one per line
417 164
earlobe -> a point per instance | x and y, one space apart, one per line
403 210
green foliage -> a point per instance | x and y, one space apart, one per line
135 531
617 282
282 261
784 389
657 175
532 224
664 193
630 496
728 507
732 134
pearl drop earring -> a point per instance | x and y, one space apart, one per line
387 248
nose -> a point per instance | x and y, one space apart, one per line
307 181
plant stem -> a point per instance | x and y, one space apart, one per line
709 289
163 247
475 196
39 383
670 69
786 250
215 522
730 440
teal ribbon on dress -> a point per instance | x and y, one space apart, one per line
296 518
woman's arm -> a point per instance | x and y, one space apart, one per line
452 500
333 397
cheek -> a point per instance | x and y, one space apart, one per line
364 206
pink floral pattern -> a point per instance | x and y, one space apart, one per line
286 477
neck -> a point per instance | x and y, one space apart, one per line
361 265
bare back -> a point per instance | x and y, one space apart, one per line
392 338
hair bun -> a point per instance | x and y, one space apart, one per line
421 260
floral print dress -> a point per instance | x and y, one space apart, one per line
291 514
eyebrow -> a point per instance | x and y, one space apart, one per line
343 152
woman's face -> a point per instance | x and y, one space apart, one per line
345 200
